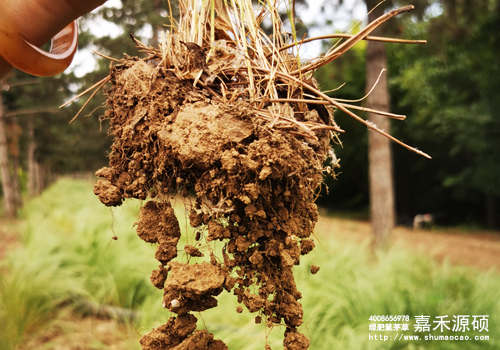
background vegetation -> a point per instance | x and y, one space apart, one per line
68 259
448 89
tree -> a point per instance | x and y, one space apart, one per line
7 183
379 148
17 103
382 207
449 88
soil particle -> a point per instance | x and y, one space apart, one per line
265 172
108 194
314 269
184 325
107 173
306 245
158 223
250 210
286 259
165 252
273 248
256 258
229 283
201 340
291 310
195 219
193 139
252 302
217 345
217 231
178 334
193 286
242 244
295 340
125 180
158 277
171 334
192 251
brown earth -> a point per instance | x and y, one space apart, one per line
479 249
9 236
72 332
254 184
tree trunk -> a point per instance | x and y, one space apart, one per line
379 147
32 171
15 181
7 185
15 132
41 178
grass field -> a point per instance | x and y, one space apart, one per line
65 258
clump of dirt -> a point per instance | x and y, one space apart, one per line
191 287
314 269
255 188
226 118
229 113
180 334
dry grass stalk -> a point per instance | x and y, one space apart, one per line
221 46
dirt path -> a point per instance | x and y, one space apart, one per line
481 249
73 332
9 235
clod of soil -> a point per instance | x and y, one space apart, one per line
158 277
158 223
171 334
192 287
180 334
294 340
108 194
228 113
192 251
255 189
314 269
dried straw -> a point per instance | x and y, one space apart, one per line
221 46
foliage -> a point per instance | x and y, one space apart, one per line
60 147
447 90
68 256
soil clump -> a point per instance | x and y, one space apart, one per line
255 188
229 113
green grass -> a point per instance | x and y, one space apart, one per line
68 255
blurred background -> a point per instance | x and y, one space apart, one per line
66 284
